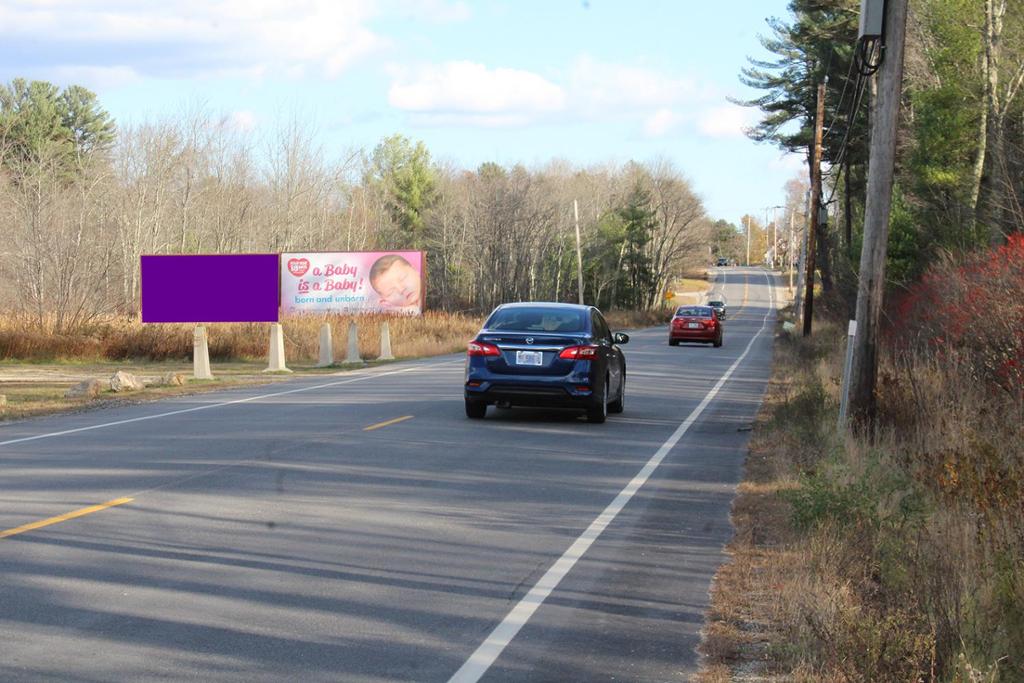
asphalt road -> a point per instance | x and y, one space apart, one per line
272 536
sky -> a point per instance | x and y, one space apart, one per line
588 81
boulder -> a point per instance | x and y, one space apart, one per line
172 379
125 381
89 388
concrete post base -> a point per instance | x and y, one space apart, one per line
385 342
326 347
200 354
352 357
276 363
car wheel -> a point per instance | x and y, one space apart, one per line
598 411
673 342
475 409
718 342
618 404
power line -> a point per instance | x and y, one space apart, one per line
842 97
868 59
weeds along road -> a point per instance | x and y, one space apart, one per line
360 528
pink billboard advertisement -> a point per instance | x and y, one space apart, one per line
353 282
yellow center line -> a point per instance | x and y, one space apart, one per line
387 423
63 518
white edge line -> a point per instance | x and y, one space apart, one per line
143 418
489 651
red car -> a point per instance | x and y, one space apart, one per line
695 324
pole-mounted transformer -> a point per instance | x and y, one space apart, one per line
872 19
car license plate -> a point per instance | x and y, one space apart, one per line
693 326
529 358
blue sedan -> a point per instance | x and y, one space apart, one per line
546 354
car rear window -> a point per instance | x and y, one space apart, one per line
538 319
716 303
694 312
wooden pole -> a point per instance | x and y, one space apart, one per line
881 166
789 251
579 249
747 222
812 215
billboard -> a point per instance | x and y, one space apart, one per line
353 282
210 288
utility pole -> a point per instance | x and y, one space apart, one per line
775 234
801 263
881 163
579 249
747 222
812 215
790 251
775 230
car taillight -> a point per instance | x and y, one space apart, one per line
677 322
579 353
482 349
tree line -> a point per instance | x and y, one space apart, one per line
960 165
81 199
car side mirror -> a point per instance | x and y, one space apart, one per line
621 338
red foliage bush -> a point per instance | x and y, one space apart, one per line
972 312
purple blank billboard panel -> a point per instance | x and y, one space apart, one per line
214 288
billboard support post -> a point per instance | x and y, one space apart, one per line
385 342
326 347
200 354
352 357
276 360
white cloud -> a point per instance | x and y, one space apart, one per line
435 11
468 93
602 86
242 120
661 122
93 77
187 38
471 93
470 89
726 121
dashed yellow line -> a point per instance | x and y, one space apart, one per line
63 518
387 423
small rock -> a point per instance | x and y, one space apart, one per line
90 388
789 327
124 381
173 379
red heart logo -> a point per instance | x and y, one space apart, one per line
298 266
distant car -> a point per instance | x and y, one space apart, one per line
722 262
719 306
546 354
695 324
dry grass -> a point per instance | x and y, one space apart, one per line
899 558
121 339
632 320
691 284
38 389
37 368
